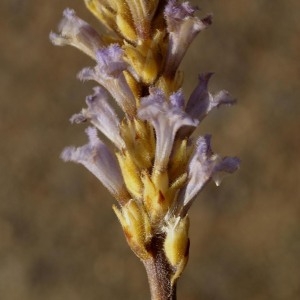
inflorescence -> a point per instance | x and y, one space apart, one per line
152 164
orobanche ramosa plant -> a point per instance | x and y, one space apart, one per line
152 164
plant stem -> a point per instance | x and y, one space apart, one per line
159 272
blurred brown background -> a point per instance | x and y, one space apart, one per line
59 239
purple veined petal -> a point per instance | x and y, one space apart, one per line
76 32
102 116
204 166
99 160
167 117
183 27
201 102
109 73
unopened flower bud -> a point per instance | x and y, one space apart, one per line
136 226
176 244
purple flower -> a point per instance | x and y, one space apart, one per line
77 33
109 73
183 27
102 116
167 117
203 166
100 161
201 102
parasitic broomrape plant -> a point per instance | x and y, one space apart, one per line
152 164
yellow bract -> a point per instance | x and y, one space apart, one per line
136 226
104 12
157 189
179 159
153 199
176 244
140 142
146 57
130 174
125 28
135 87
170 84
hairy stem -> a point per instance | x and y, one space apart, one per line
159 272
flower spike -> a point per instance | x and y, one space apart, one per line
152 166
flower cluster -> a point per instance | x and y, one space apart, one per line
153 165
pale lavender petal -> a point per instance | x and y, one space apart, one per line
109 73
177 99
99 160
204 166
167 117
102 116
76 32
222 97
201 102
227 165
110 61
183 27
200 98
87 74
